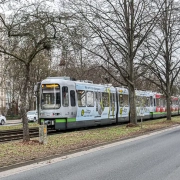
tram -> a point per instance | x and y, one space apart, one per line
67 104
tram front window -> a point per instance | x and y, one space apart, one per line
50 98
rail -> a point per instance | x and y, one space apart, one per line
17 134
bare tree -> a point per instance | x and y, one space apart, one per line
29 31
73 37
167 65
119 34
39 69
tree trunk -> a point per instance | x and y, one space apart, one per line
168 99
26 136
167 59
132 100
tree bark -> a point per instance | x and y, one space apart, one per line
168 100
26 136
132 100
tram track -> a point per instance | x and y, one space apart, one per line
17 134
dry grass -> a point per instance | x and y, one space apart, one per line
18 126
17 152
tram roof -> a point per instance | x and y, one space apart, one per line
83 84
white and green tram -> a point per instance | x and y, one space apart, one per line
67 104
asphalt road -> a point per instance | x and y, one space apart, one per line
156 157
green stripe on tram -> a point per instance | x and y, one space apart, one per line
64 120
60 120
71 119
158 112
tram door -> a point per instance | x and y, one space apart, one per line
112 105
98 104
123 107
69 109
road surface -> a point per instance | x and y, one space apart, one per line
150 157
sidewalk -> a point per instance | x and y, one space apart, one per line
16 121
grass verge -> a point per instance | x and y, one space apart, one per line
18 126
18 152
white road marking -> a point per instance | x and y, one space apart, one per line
84 152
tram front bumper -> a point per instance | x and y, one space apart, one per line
47 122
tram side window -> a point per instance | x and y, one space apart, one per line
81 95
177 102
112 98
90 98
98 99
157 102
58 98
151 101
72 97
174 102
139 101
105 99
112 101
147 101
126 100
163 102
123 100
65 96
98 96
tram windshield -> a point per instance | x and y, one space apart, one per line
50 98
